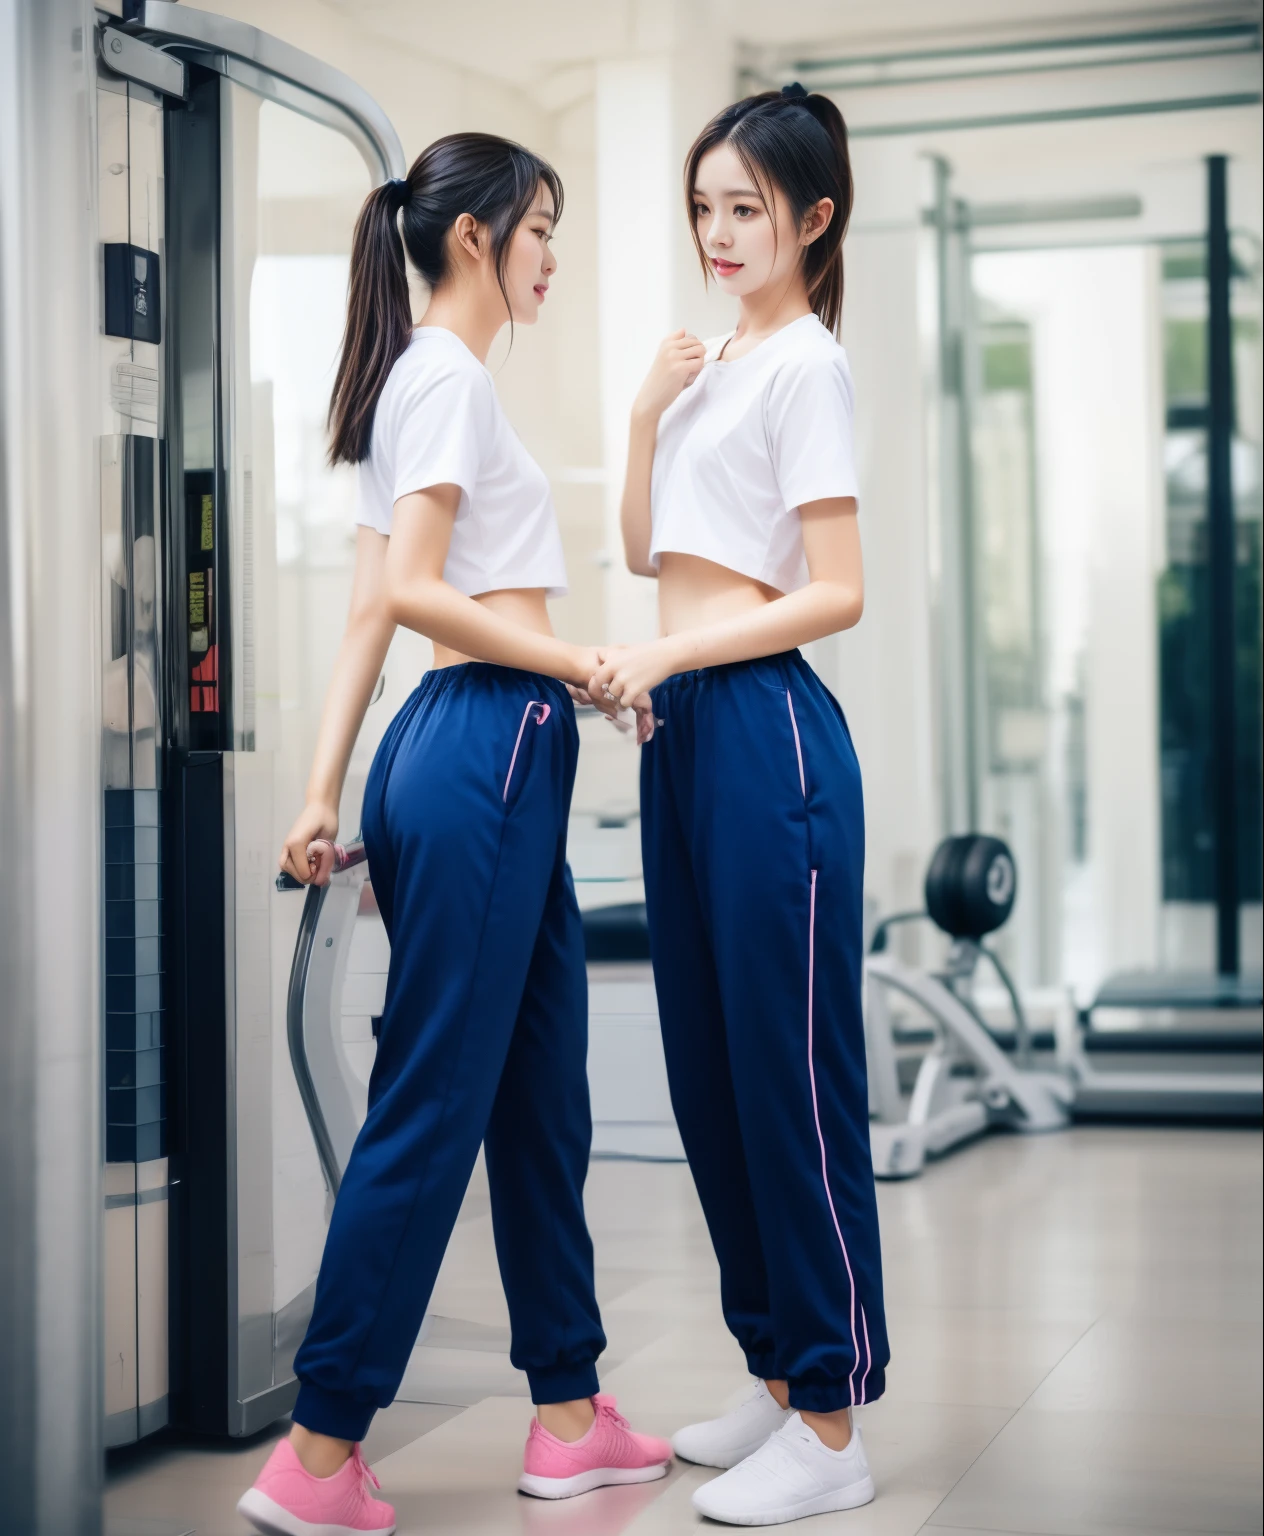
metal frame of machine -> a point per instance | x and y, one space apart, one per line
948 1105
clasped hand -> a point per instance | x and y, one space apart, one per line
624 678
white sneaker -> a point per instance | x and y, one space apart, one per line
725 1441
790 1476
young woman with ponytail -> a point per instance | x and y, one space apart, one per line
483 1038
741 499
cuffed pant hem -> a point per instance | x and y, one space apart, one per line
764 1366
332 1413
829 1397
564 1383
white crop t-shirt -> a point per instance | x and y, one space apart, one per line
438 422
746 445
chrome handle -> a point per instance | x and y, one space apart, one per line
332 1098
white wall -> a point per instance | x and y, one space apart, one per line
881 671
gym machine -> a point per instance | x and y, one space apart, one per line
1130 1055
213 274
966 1083
1156 1047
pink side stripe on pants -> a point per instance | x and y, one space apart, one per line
816 1112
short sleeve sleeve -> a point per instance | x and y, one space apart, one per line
810 432
373 505
443 430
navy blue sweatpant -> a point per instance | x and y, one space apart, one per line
753 838
483 1040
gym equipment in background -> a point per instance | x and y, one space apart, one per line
627 1071
1155 1046
1162 1046
966 1083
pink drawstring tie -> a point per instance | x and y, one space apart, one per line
526 715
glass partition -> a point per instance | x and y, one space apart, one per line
290 203
1084 600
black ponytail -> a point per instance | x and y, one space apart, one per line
797 142
495 182
379 324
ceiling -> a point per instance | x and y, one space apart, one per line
525 43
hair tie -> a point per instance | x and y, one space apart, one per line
400 190
794 92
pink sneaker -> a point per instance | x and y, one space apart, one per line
287 1500
609 1453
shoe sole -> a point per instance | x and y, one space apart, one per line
585 1482
272 1519
852 1497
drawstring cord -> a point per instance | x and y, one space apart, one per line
545 711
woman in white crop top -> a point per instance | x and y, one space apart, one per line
483 1036
741 499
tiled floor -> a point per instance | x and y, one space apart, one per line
1075 1325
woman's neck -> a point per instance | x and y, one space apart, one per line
762 313
468 314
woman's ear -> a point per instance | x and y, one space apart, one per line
469 235
817 220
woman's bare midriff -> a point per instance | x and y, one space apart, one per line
524 606
693 592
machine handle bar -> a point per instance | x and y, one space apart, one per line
326 858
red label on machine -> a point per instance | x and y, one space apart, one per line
200 617
204 689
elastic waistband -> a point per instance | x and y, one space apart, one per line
486 676
777 663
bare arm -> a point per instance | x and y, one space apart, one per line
358 666
677 365
634 515
418 597
832 600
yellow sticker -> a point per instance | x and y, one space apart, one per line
197 599
208 523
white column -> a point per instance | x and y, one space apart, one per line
650 105
50 780
1118 369
636 175
882 670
